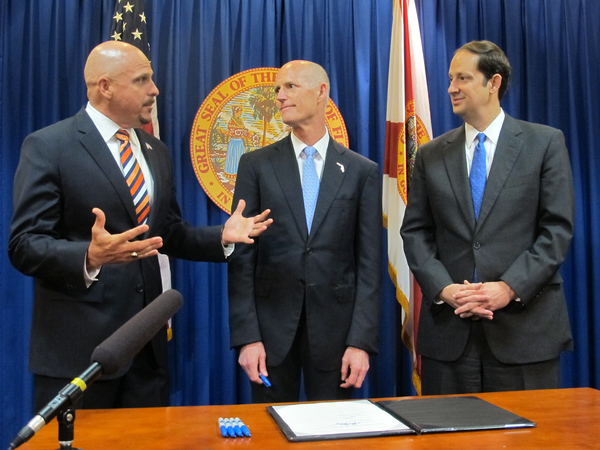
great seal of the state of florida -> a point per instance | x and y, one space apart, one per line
239 116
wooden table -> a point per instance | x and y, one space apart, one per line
566 419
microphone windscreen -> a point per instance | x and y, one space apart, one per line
116 351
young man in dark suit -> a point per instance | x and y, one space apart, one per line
486 249
305 298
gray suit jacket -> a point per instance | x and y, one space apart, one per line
64 172
335 272
522 237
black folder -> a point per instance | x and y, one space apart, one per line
445 414
363 418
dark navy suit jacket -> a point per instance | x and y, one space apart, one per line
335 271
64 172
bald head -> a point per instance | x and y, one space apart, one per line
302 89
311 72
119 83
108 60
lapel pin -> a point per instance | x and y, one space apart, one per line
148 146
341 167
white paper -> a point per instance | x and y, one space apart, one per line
331 418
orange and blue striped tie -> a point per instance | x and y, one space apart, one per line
134 178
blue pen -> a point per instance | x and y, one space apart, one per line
230 430
243 426
223 427
236 427
264 379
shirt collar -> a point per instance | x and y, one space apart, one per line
105 126
492 132
321 145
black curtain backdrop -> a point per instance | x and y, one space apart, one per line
553 45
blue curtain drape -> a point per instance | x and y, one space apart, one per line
195 44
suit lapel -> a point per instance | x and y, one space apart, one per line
334 171
285 167
158 182
456 166
507 150
92 141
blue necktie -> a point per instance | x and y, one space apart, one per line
478 175
310 185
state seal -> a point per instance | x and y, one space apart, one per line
237 117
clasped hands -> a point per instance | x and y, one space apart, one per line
106 248
477 300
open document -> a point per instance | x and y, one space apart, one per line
335 420
363 418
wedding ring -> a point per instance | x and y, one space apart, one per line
134 254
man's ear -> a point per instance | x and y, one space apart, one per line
104 87
322 91
495 83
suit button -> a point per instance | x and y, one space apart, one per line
139 288
302 282
309 251
476 246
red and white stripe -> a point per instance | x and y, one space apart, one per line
407 102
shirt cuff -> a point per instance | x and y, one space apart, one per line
90 276
227 248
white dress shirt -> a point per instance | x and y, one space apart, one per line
319 157
492 133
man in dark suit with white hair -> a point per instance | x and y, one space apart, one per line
304 300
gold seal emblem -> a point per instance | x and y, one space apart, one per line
413 134
239 116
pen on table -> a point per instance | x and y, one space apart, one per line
236 427
230 430
264 379
223 427
243 427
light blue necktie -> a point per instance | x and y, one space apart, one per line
478 175
310 185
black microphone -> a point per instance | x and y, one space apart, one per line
108 358
116 351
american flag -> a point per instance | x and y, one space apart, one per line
129 25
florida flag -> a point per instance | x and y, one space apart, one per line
408 125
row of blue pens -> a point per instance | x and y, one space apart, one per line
233 427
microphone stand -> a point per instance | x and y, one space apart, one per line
66 429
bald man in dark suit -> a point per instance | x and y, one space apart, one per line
305 299
493 315
95 259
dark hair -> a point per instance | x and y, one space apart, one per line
492 61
